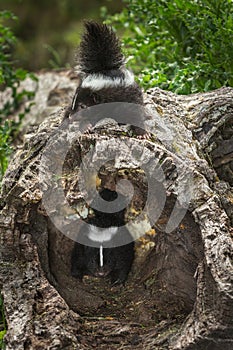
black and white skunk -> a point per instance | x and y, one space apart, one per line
103 75
100 261
104 80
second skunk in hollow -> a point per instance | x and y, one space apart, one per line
114 262
104 77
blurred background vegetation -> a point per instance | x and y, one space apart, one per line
49 30
178 45
185 46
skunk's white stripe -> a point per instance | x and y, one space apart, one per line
101 256
97 234
99 81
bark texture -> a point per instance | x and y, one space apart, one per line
179 294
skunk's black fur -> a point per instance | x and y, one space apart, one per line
102 72
117 262
100 50
85 260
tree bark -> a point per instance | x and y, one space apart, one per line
179 292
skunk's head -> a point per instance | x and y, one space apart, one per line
93 261
104 219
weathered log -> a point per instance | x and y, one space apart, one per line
179 293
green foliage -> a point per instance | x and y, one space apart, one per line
10 79
55 61
178 45
56 23
2 324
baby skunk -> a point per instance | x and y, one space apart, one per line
104 77
113 262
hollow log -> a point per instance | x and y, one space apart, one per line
179 293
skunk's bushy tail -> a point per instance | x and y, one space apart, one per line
100 49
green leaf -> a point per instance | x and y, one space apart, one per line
189 44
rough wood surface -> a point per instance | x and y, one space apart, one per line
179 294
